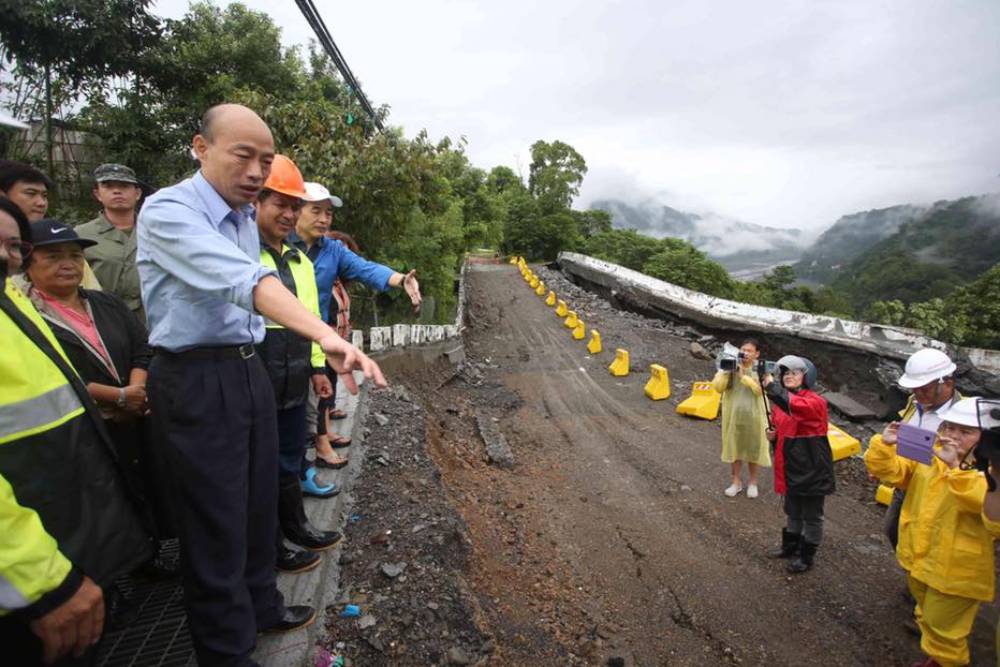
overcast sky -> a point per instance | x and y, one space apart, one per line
780 112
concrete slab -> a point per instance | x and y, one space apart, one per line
319 587
849 407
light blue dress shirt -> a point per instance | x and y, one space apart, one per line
198 262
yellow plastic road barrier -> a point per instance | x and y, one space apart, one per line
540 290
562 310
619 367
594 346
513 260
658 386
579 330
883 494
571 320
703 402
551 299
842 444
534 282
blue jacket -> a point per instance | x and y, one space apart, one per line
332 260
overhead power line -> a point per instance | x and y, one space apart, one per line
315 22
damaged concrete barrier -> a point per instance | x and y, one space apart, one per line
594 346
658 386
619 367
579 330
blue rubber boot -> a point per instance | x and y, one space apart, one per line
312 487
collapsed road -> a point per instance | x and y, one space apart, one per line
605 538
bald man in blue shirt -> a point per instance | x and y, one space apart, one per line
213 407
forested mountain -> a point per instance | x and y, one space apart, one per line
929 254
850 237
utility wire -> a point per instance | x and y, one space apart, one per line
315 22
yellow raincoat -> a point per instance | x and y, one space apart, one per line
743 420
945 541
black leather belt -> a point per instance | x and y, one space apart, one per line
245 351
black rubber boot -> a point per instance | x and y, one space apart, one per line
294 618
789 545
294 523
807 550
294 561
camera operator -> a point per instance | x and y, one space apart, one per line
946 530
743 418
803 461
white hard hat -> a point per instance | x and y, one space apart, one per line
925 366
970 412
316 192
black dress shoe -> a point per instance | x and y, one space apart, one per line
294 561
294 618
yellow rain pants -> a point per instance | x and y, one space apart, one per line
945 622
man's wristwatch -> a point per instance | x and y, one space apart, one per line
121 397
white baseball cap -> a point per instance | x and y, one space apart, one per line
316 192
924 366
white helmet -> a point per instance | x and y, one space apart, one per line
970 412
316 192
924 366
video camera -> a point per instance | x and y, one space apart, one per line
987 452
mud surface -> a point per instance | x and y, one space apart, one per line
609 541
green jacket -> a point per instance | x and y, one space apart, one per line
113 261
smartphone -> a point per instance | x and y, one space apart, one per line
915 443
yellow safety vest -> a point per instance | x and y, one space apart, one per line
304 277
34 397
34 394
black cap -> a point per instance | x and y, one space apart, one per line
51 231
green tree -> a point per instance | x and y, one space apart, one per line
592 221
555 175
682 264
75 44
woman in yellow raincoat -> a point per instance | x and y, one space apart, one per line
743 420
945 539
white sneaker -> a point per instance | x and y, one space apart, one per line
733 490
752 491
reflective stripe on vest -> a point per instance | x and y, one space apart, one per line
41 413
34 394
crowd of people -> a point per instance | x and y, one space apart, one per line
945 512
165 366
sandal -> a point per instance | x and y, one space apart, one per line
339 441
337 465
338 414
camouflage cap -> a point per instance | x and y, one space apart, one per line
115 172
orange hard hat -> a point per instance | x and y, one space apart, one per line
285 178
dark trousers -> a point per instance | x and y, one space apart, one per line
805 517
291 439
217 431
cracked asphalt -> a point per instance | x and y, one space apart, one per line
610 541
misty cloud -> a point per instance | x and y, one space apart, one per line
782 113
